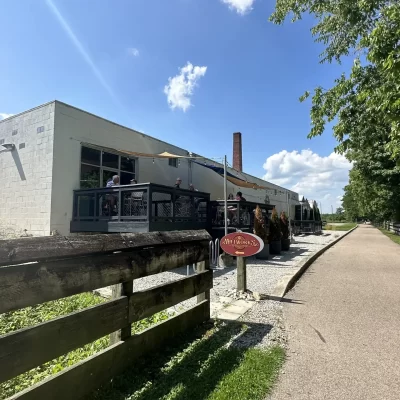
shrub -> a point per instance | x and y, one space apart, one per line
275 233
259 225
284 222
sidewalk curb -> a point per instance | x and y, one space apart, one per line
289 281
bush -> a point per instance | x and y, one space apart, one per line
284 222
275 233
259 225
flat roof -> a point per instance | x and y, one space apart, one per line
144 134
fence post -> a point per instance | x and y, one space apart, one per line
122 289
241 274
204 266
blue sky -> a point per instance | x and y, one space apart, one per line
115 59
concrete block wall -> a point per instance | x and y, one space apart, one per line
26 173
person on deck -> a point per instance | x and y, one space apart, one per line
178 183
114 181
111 198
239 196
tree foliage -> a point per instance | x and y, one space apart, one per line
284 221
259 225
364 105
275 233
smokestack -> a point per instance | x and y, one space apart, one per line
237 151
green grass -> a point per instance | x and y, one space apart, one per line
29 316
395 238
203 365
343 227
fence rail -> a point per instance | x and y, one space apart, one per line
393 227
36 270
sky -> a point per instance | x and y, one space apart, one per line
190 72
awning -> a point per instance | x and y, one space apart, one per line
165 154
231 178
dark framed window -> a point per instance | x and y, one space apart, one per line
14 132
127 164
90 176
173 162
110 160
90 156
98 167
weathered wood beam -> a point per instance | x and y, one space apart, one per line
27 348
30 284
87 375
148 302
17 251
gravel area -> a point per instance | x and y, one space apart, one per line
262 277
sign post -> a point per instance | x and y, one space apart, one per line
241 245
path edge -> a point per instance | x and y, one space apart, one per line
288 282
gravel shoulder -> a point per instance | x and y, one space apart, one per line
265 317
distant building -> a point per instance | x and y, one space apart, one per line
58 148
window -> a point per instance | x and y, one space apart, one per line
14 132
276 192
173 162
98 167
40 129
21 146
1 141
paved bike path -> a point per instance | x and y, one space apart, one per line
344 337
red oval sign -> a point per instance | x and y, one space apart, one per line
241 244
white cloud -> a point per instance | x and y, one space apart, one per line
307 173
4 115
133 51
242 7
180 88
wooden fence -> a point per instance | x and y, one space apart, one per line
36 270
390 226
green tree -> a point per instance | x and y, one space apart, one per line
364 104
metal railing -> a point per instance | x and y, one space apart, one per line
140 203
214 253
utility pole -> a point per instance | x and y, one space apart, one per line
225 197
332 208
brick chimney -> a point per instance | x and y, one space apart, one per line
237 151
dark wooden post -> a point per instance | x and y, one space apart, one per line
122 289
200 267
241 273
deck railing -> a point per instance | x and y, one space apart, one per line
141 203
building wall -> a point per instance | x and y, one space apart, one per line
26 172
73 127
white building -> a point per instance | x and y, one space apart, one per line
59 148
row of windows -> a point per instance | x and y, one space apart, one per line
98 167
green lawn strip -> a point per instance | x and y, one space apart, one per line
253 378
30 316
343 227
201 365
392 236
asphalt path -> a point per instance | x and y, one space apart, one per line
344 328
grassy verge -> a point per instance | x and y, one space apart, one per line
342 227
29 316
395 238
204 365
